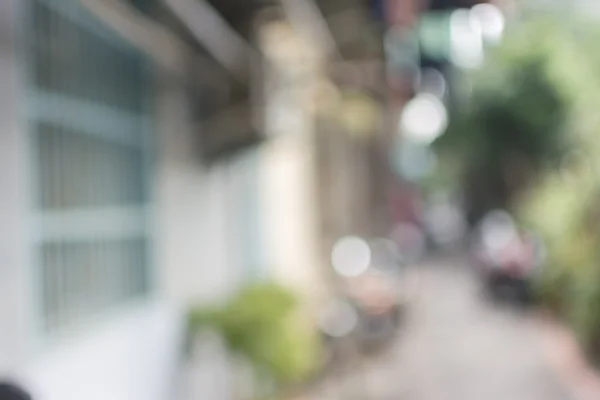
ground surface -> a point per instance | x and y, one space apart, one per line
455 345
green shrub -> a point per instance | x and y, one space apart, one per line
262 324
552 288
584 306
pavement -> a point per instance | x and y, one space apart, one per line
455 344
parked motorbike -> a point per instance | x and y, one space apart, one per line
371 298
362 319
508 258
379 310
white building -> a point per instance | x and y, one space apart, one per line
111 221
118 205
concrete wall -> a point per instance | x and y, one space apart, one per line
207 231
131 354
193 220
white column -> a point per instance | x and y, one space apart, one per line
288 171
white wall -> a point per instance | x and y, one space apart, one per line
132 355
199 232
193 231
13 197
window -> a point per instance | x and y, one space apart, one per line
89 125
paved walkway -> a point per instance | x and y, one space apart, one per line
455 346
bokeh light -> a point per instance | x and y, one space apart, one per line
498 230
466 40
490 20
424 118
351 256
339 319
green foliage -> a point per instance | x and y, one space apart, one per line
552 289
261 324
583 305
537 97
513 123
566 212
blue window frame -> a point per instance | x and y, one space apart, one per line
89 125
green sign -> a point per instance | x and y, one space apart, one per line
434 35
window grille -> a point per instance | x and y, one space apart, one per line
89 124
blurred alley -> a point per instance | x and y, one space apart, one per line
259 199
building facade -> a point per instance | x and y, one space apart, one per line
133 185
113 222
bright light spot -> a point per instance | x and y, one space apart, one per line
490 20
498 230
433 82
424 118
351 256
338 319
466 40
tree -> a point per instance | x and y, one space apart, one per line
511 125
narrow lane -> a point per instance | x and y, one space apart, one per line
455 345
